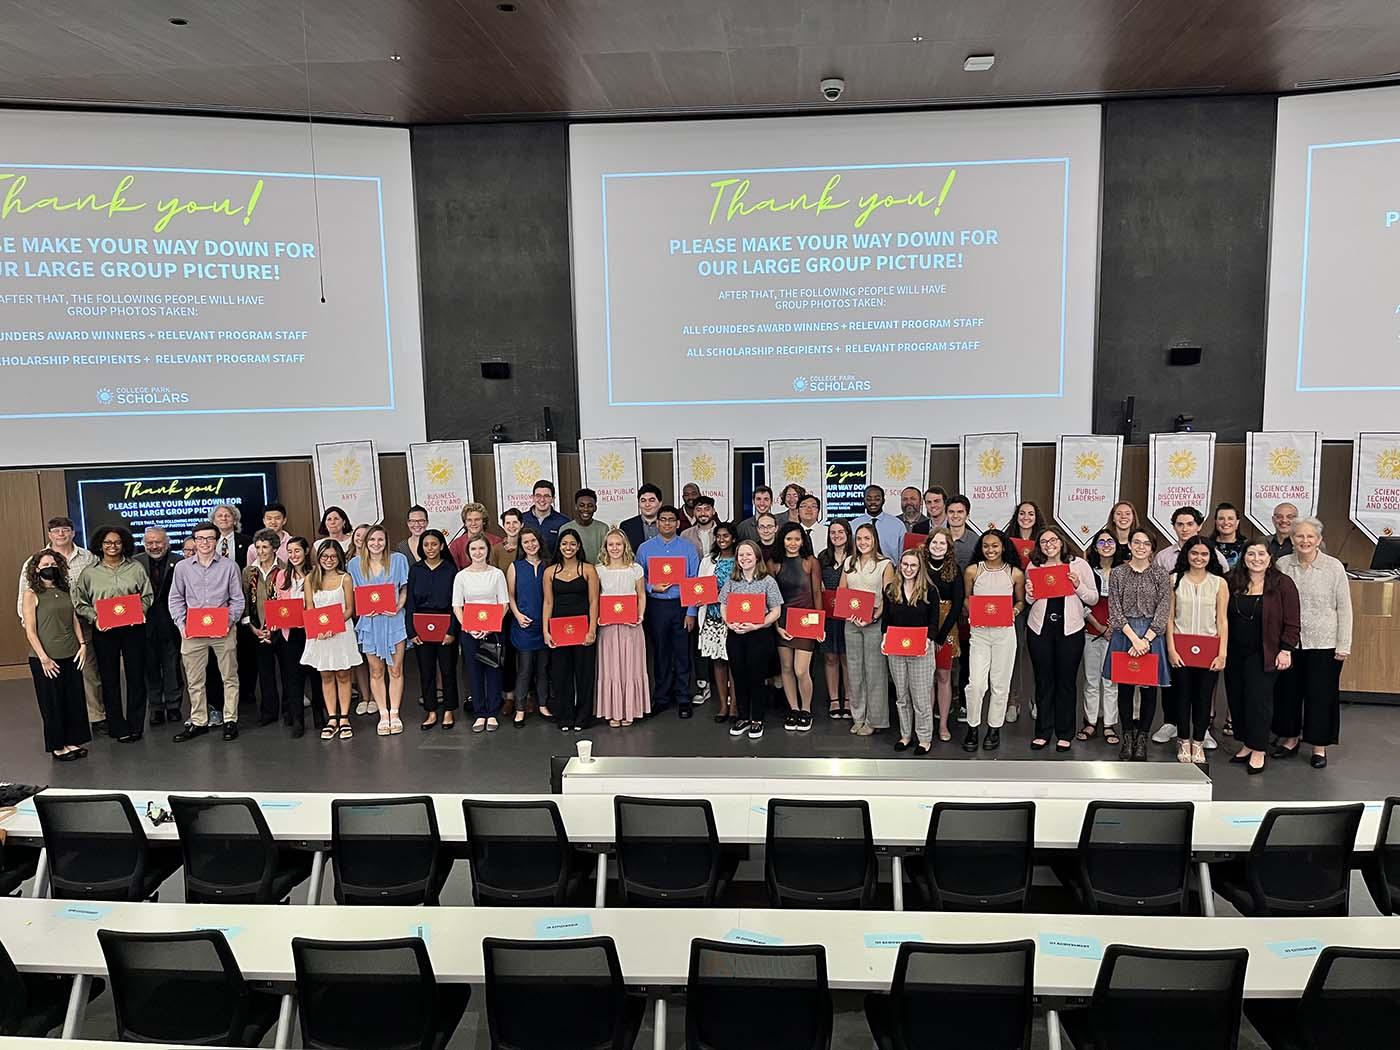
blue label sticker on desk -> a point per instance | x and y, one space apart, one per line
422 931
280 803
229 932
564 926
890 940
1295 949
1244 822
27 808
86 912
1071 946
752 937
761 809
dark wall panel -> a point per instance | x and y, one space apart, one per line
493 241
1184 259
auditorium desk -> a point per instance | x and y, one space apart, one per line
1374 664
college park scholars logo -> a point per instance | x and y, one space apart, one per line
206 620
746 606
324 620
611 467
898 467
703 469
1182 464
118 609
1284 462
617 608
1088 466
346 471
990 463
905 643
439 470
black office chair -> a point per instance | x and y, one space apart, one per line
98 850
668 851
977 857
956 997
820 854
559 995
387 851
183 988
374 995
1169 1000
1299 864
1352 997
1382 868
1134 858
556 773
34 1004
519 853
230 854
17 866
753 997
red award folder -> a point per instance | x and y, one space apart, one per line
1197 650
1051 581
122 611
745 608
699 590
328 619
829 604
943 656
663 572
206 623
1024 549
481 617
849 603
618 609
285 612
805 623
376 599
989 610
905 641
568 630
432 627
1127 669
1100 613
914 540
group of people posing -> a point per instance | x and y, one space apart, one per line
564 618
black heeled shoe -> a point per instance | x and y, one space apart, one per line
1319 761
1255 770
1239 758
1280 751
901 745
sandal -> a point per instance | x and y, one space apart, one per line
1110 736
383 728
395 725
834 710
328 730
346 729
944 735
1089 732
626 722
1228 729
615 723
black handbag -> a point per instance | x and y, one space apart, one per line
490 652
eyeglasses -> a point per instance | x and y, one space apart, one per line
1140 543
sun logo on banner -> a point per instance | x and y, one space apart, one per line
1388 464
611 467
990 463
898 467
702 468
525 470
346 470
795 468
1284 462
1088 466
1181 464
439 470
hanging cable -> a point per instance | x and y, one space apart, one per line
311 132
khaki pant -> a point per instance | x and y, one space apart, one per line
194 654
991 656
92 680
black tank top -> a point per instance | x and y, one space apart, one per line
571 596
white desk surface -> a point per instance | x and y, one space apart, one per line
897 822
654 944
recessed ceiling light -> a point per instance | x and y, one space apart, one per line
505 9
978 63
396 57
179 21
917 38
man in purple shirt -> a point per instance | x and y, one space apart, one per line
208 581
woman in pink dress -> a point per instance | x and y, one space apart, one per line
623 694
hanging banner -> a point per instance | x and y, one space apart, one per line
1088 468
347 476
1375 485
1180 469
440 481
1280 466
710 464
519 465
990 467
799 461
895 463
612 467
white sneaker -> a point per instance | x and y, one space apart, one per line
1209 742
1012 713
361 707
1165 734
702 693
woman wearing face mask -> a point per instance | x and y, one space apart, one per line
910 602
56 655
1099 690
1264 622
800 581
1307 705
995 570
1139 600
290 643
624 694
867 570
1199 606
430 582
382 635
751 645
714 633
1056 635
947 581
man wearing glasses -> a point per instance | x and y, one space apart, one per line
208 581
665 620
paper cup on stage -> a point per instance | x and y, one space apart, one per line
585 751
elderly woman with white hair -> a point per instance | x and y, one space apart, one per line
1307 703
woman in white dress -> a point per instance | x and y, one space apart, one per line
333 654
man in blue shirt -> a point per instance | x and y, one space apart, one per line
889 528
666 622
542 514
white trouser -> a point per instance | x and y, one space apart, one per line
1095 686
992 656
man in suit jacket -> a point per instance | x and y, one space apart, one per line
642 526
162 638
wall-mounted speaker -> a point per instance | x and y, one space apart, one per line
1183 355
496 369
